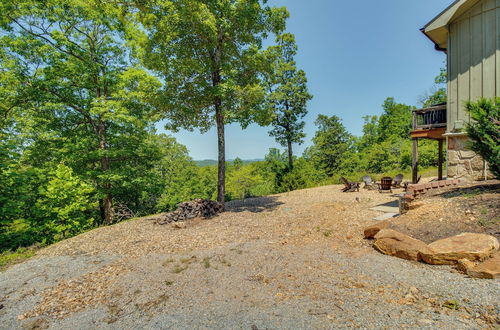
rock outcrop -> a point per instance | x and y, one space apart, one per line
394 243
470 246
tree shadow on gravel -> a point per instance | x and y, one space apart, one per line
254 205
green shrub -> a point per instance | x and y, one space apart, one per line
65 205
484 131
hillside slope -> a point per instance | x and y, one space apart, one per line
294 260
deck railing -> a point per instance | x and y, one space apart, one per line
429 118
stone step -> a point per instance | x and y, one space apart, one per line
386 216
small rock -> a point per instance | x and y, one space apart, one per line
372 230
489 269
465 264
413 290
179 225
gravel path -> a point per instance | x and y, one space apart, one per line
290 261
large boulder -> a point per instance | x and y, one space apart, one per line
394 243
372 230
488 269
447 251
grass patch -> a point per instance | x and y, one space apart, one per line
225 263
206 262
178 269
9 258
488 222
451 304
188 260
327 233
169 283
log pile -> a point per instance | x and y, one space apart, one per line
188 210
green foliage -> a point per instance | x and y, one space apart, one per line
65 205
209 55
287 95
484 131
395 121
332 144
82 85
8 258
439 95
245 181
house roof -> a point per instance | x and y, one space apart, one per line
437 29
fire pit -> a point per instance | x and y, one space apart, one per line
385 184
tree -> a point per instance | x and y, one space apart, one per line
332 144
287 95
484 131
208 53
65 204
90 103
395 121
438 92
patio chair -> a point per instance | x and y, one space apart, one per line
349 186
397 181
385 184
369 184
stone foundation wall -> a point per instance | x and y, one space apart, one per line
462 162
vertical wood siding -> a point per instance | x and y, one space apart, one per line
473 58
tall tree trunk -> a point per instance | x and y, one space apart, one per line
105 165
221 173
219 118
290 154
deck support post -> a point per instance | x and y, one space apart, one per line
414 165
440 160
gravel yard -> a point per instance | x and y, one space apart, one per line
294 260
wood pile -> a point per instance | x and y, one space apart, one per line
188 210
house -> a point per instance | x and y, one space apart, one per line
468 32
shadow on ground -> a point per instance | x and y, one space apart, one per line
254 205
394 203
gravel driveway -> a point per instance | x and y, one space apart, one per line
290 261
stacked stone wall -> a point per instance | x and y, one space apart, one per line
464 163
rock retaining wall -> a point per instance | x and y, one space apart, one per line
463 162
415 190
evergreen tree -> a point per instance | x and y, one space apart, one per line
288 95
333 144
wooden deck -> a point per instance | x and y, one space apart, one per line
429 123
433 134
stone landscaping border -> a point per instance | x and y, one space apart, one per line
415 190
422 188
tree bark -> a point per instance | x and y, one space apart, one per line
105 165
290 154
219 118
221 173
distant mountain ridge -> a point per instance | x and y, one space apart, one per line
211 162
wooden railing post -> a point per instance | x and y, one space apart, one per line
440 160
414 165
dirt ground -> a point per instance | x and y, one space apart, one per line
291 261
473 208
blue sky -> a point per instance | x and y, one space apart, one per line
355 54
